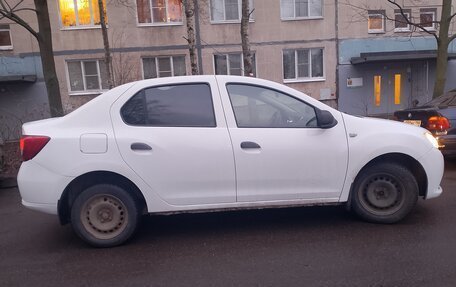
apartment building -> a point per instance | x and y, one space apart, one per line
384 64
293 42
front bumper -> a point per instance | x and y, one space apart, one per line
433 165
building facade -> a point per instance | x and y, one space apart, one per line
385 64
293 42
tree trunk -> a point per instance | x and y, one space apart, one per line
247 55
189 7
442 49
107 49
47 58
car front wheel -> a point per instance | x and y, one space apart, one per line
104 215
384 193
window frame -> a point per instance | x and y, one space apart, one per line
85 91
7 28
272 89
228 63
295 18
432 11
157 24
408 13
376 13
92 25
167 85
305 79
171 57
251 18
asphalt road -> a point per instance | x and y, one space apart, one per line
316 246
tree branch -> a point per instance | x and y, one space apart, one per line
13 17
6 11
407 20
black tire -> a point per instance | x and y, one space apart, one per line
105 215
384 193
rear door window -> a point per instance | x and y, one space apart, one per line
184 105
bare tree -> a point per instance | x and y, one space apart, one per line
124 67
189 8
247 54
442 36
44 37
106 46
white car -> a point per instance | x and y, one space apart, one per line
199 143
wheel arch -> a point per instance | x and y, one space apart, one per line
80 183
404 160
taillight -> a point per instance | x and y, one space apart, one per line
32 145
438 124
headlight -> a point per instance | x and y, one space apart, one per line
431 139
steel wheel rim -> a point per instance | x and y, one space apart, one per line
382 194
104 216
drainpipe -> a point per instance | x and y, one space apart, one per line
198 39
336 26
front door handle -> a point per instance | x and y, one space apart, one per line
140 146
249 145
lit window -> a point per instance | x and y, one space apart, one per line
300 9
376 22
228 10
5 38
303 64
397 89
377 90
231 64
159 11
164 67
427 18
75 13
400 21
87 76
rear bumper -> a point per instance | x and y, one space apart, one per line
433 165
40 188
449 144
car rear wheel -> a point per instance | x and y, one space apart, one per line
384 193
105 215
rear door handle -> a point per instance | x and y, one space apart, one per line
140 146
249 145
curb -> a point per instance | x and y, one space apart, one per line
8 182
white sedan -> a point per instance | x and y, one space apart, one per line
198 143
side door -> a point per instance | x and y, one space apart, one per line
280 152
174 136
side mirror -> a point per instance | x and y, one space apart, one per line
325 119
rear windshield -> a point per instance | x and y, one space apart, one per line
442 100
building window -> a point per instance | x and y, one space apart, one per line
228 10
80 13
427 18
303 64
400 21
159 11
376 22
300 9
87 76
232 64
5 38
159 67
